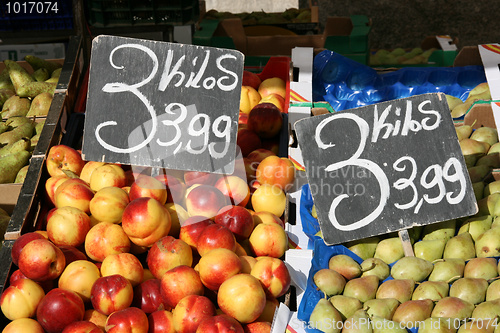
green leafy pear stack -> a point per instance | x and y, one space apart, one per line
451 284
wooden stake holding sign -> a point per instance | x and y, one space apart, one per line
385 167
162 104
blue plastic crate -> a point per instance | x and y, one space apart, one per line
18 16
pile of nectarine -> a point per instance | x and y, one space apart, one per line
123 250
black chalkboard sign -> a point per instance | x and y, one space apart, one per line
162 104
385 167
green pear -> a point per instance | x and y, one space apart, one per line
325 317
4 127
11 164
14 122
358 323
447 270
486 206
461 109
479 89
452 307
486 310
21 175
460 246
345 305
375 266
411 267
452 101
496 222
490 160
34 141
33 89
381 307
476 225
41 75
389 250
478 172
437 325
398 51
463 131
364 248
473 150
37 62
39 126
481 268
429 250
345 265
479 93
23 131
329 281
485 134
411 313
488 244
478 188
18 75
472 290
16 106
381 325
477 326
40 105
494 149
433 290
19 145
441 230
493 291
401 290
362 288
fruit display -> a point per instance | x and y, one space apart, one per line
25 99
178 251
19 136
400 56
120 247
28 94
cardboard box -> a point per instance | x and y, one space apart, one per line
44 51
345 35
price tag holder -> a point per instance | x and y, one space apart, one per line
385 167
162 104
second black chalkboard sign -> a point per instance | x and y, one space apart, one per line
162 104
385 167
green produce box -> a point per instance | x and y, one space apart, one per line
345 35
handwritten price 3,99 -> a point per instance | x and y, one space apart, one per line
434 178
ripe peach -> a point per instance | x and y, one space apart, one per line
273 274
166 253
272 85
62 158
74 192
126 264
109 203
178 283
265 120
68 226
269 198
250 79
278 171
274 99
147 186
106 238
267 217
215 236
269 239
249 98
235 189
205 200
145 220
78 276
218 265
88 168
106 175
